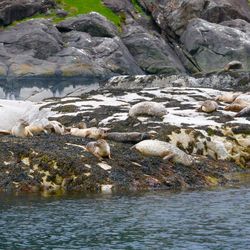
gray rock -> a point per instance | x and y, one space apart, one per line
150 51
11 11
109 53
173 16
37 49
92 23
223 80
61 13
213 45
119 5
38 37
238 24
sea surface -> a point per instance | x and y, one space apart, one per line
208 219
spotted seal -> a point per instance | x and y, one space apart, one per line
99 148
228 97
130 136
93 133
148 109
239 103
208 106
164 150
21 130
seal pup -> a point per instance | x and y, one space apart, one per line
208 106
147 108
228 97
130 136
164 150
21 129
93 133
99 148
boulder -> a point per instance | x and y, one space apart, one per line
38 37
150 51
214 45
119 5
173 16
92 23
37 49
109 53
238 24
11 11
27 66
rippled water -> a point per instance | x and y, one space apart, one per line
188 220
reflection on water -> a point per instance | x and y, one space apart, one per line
187 220
39 89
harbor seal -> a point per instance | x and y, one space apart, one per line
233 65
227 97
239 103
148 109
164 150
99 148
55 127
93 133
208 106
21 129
130 136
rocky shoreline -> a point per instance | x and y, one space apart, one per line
175 53
218 143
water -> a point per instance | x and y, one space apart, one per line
35 89
188 220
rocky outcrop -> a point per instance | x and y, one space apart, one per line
93 23
150 51
183 37
173 16
11 11
213 45
37 48
217 144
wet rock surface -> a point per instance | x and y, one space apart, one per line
217 142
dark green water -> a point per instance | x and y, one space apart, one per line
189 220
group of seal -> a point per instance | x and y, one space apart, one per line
237 102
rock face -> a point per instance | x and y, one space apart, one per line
150 51
175 15
213 45
169 37
11 11
37 48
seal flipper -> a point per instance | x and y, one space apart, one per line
169 156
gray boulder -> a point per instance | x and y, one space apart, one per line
11 11
213 45
92 23
150 51
109 53
37 37
119 5
37 49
